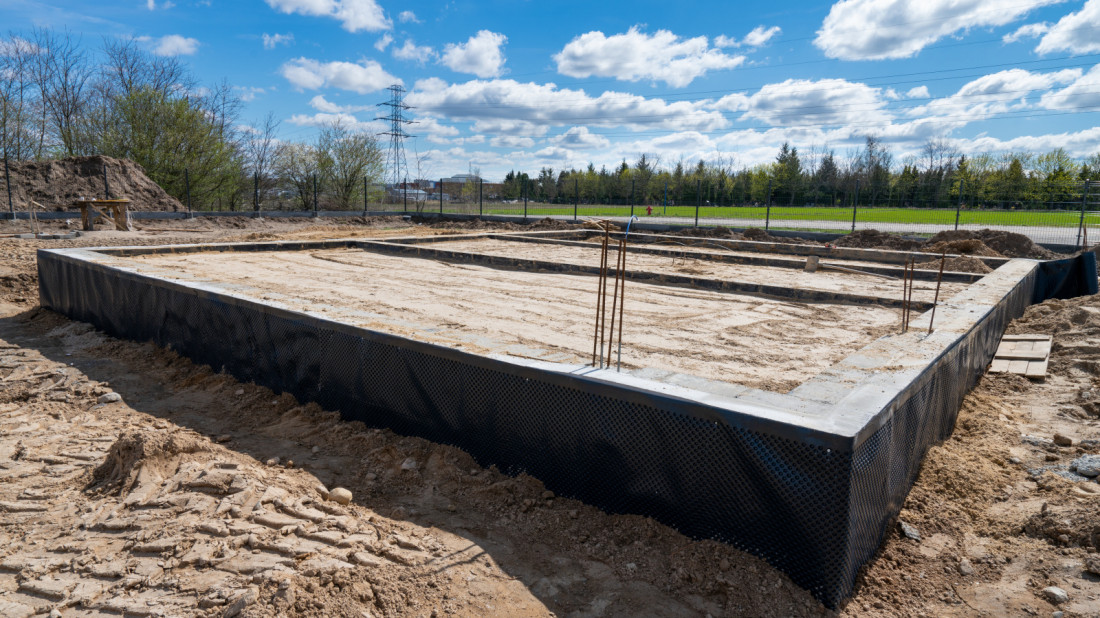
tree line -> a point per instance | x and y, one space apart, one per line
940 176
60 98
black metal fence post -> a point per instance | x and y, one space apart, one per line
576 198
855 205
631 197
187 189
7 183
480 197
366 194
1084 204
525 199
958 207
768 207
315 206
256 193
405 192
698 200
440 197
106 187
666 198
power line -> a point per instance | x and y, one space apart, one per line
395 158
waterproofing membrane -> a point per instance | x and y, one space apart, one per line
813 504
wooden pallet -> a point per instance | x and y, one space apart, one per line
1026 355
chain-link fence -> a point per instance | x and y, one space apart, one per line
1059 213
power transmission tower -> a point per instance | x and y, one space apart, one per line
395 158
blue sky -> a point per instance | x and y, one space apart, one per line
499 85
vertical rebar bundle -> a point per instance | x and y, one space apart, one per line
603 340
906 292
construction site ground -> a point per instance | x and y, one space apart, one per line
189 493
763 343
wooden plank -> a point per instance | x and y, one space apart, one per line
1017 366
1036 369
999 366
1021 355
1042 346
1026 338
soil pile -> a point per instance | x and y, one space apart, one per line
1007 244
960 264
874 239
970 246
57 184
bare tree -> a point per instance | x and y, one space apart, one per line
297 165
939 154
346 160
127 68
260 148
66 73
16 97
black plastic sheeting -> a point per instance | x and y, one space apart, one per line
813 506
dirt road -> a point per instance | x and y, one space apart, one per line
194 494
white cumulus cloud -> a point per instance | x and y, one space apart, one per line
1077 33
580 138
1082 92
481 55
511 141
992 94
636 55
1027 31
353 15
883 29
175 45
382 43
321 104
820 102
412 51
407 17
758 37
505 106
271 41
363 77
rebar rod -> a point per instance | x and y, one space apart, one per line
909 300
597 339
614 306
943 258
622 300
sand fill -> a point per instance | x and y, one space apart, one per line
690 262
736 338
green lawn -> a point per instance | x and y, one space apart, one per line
1048 218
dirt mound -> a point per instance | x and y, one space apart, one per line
57 184
708 232
874 239
960 264
1007 244
970 246
143 453
1073 526
752 233
762 235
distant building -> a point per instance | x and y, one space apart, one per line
462 179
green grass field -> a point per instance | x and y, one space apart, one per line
918 216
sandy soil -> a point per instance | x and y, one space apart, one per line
148 505
735 338
823 279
